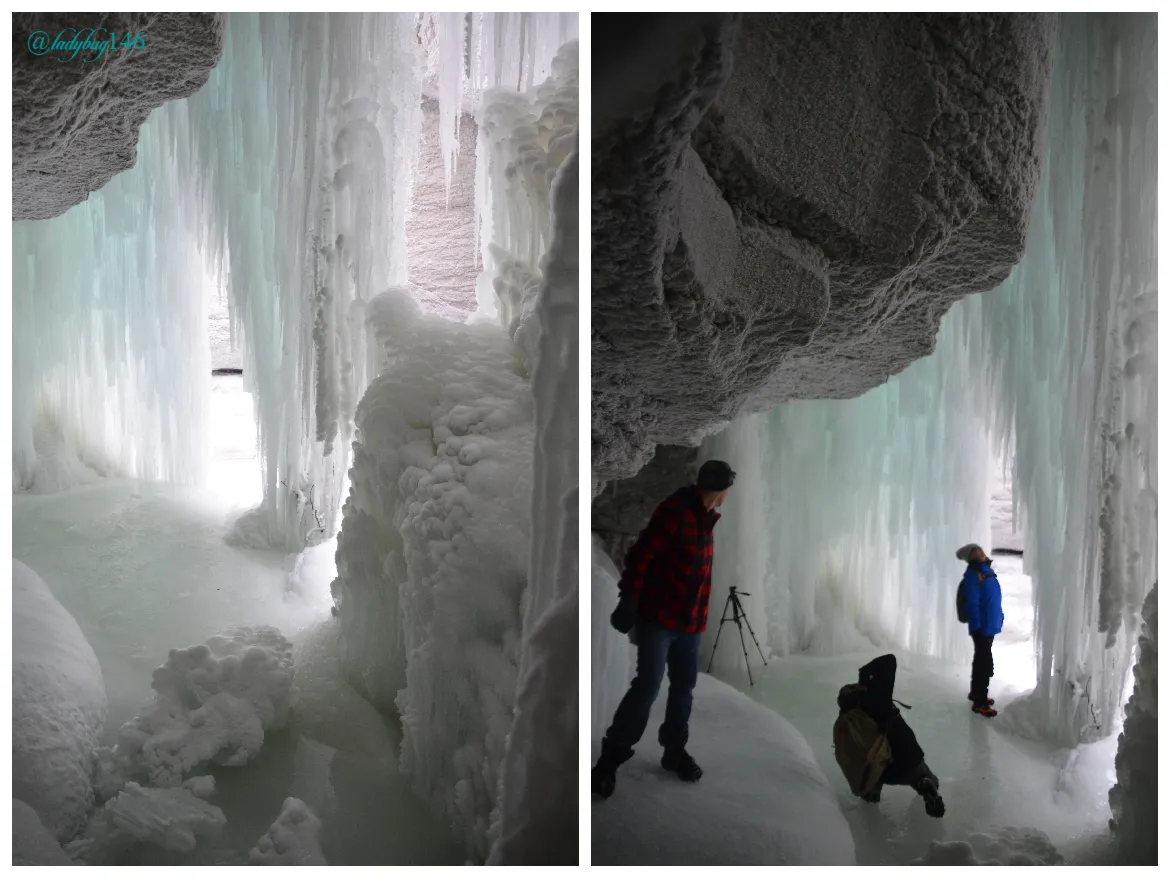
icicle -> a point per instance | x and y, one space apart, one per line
451 50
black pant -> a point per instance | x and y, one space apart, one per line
982 668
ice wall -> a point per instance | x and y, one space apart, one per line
866 500
110 364
539 822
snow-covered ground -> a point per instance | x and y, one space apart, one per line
144 569
762 799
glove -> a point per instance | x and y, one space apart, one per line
625 616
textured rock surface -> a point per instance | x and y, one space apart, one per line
76 114
440 231
791 205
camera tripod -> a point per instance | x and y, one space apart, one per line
740 619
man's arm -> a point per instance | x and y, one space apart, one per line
653 541
972 592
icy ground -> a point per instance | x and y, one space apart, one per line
144 569
991 779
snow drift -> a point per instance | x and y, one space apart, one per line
58 707
763 800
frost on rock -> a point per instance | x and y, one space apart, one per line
1134 800
213 705
431 558
68 136
173 819
32 843
292 839
1000 846
58 707
763 799
767 229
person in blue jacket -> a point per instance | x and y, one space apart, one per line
984 620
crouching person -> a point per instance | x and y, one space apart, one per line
873 744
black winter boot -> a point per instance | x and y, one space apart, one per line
678 761
604 776
874 796
927 787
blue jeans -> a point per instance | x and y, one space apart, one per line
659 650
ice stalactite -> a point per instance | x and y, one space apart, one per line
868 499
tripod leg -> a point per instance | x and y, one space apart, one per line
740 614
756 641
717 634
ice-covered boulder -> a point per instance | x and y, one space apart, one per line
292 839
32 843
58 707
784 206
763 800
76 111
213 705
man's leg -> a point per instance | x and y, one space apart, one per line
923 781
682 664
629 722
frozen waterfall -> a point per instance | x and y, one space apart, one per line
847 514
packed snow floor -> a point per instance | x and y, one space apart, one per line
144 569
762 799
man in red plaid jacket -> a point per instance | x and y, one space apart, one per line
664 591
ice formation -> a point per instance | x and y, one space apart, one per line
431 554
1134 799
763 799
868 499
173 819
292 839
538 812
213 704
58 707
436 547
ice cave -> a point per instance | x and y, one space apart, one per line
900 273
295 438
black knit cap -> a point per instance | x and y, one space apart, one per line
715 475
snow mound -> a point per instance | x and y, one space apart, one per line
1000 846
58 707
213 704
763 800
432 554
292 840
32 843
173 819
1134 800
